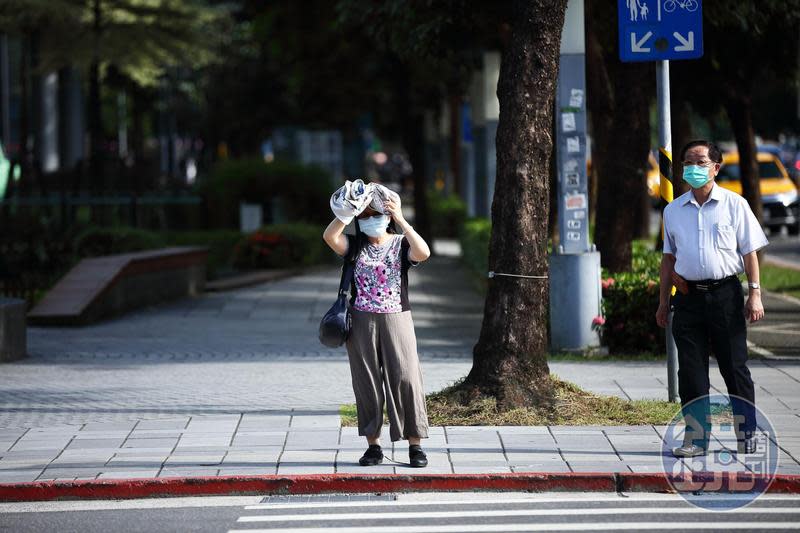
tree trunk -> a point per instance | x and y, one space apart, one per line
619 102
510 359
454 103
414 142
740 114
25 153
681 135
95 116
413 137
622 172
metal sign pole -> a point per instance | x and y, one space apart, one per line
665 169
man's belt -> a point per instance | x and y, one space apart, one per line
708 285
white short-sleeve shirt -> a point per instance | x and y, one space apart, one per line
709 240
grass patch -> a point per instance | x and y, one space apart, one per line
779 279
602 358
573 406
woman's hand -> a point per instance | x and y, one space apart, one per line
394 210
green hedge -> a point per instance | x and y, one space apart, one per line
448 214
220 244
281 246
302 191
474 240
630 300
95 241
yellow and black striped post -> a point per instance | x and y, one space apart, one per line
666 192
665 173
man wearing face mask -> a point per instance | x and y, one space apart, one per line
710 237
382 345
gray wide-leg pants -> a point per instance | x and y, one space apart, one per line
384 365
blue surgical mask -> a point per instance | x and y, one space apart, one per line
374 226
695 175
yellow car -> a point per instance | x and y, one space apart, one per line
653 179
778 193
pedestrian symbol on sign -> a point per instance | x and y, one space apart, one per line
654 30
637 9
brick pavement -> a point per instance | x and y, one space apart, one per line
236 382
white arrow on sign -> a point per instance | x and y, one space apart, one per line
687 45
636 46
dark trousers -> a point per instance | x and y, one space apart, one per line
715 320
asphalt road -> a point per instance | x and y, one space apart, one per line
411 513
784 247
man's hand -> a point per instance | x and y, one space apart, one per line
754 309
679 282
662 315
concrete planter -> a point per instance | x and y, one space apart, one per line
13 336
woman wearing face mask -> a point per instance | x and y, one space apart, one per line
382 346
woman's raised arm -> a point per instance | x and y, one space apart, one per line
335 238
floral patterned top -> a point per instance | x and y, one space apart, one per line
381 277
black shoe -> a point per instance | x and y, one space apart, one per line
373 456
746 446
417 457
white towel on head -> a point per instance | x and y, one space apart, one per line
381 195
350 200
354 196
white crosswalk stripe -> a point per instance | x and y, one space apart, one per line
494 513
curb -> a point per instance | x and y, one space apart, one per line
356 483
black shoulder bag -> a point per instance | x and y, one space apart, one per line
335 325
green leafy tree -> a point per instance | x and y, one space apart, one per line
431 50
141 39
746 43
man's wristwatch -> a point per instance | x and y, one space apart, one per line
753 286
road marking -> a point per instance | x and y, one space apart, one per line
496 513
576 499
107 505
480 528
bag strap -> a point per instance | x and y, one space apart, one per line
347 269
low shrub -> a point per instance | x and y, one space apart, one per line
448 214
281 246
95 241
630 300
302 191
220 244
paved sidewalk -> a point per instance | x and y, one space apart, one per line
236 383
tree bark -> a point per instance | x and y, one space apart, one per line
510 358
619 98
95 121
25 153
413 138
741 117
454 103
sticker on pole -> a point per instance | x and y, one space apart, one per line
720 453
656 30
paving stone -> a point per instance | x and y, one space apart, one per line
128 474
193 471
255 470
19 476
95 443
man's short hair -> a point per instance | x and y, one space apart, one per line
714 153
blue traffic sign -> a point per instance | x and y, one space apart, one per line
655 30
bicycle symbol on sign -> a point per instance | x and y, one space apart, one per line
688 5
